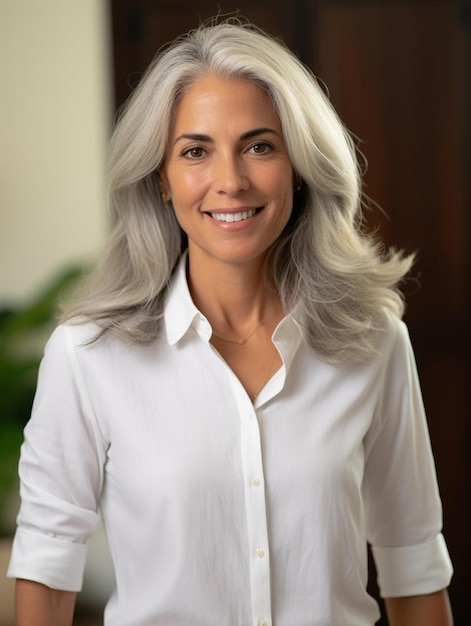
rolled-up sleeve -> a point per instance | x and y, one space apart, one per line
402 502
61 474
413 570
53 562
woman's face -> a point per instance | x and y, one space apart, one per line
227 171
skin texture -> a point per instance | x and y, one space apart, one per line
38 605
428 610
219 159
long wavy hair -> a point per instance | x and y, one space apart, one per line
337 279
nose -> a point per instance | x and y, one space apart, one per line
230 176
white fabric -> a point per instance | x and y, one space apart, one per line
220 511
411 570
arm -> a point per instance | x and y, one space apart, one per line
38 605
427 610
61 472
402 502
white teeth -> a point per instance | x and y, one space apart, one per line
233 217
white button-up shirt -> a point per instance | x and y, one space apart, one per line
223 511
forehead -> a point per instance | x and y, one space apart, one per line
212 101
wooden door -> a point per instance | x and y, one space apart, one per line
399 74
141 27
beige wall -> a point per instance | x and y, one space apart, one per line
55 116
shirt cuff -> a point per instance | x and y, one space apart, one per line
413 570
53 562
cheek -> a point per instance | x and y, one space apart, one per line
286 203
280 180
186 185
283 190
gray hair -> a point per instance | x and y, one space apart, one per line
335 277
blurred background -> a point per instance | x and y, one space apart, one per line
399 74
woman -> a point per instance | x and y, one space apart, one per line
237 393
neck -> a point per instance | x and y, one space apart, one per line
234 297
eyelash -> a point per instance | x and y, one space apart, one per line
187 152
265 144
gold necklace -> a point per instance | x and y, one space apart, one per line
239 342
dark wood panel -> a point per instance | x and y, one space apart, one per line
399 75
141 27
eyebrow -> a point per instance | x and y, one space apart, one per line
206 138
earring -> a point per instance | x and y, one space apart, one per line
298 183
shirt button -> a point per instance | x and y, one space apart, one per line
259 553
255 481
262 622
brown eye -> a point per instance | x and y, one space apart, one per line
193 153
261 148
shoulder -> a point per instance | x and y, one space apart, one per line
393 337
78 339
392 359
88 344
397 369
74 333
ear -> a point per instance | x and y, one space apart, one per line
297 181
164 187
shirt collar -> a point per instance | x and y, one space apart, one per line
180 312
287 337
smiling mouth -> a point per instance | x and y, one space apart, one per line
234 217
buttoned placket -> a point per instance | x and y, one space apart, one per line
255 501
254 481
255 506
